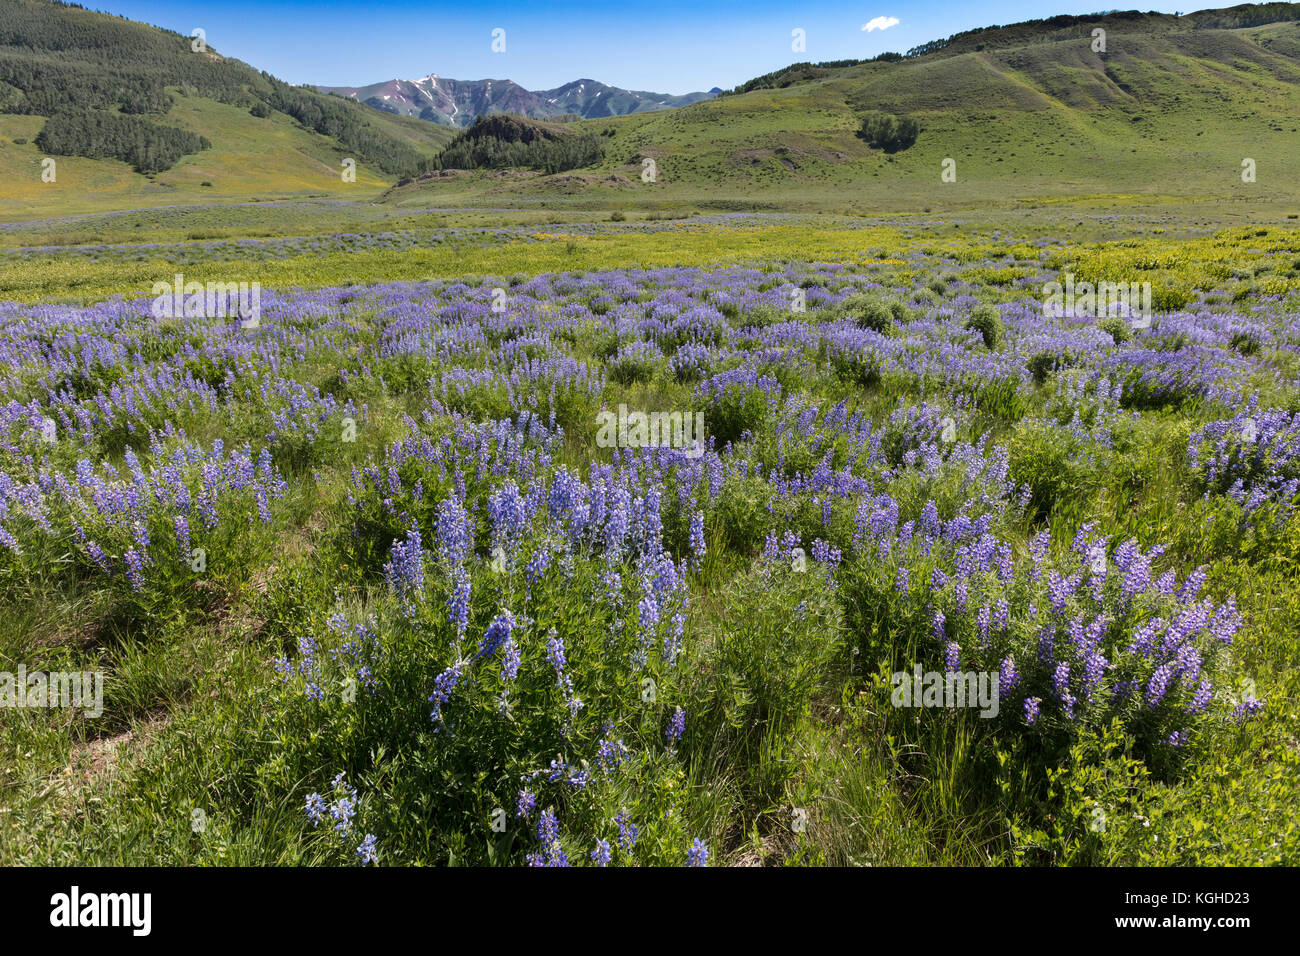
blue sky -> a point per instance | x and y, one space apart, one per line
668 46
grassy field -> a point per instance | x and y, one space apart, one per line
252 158
370 577
790 751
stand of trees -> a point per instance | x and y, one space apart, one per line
801 72
500 141
890 133
148 147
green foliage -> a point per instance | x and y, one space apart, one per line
986 320
501 141
773 637
890 133
737 410
1047 459
1118 329
148 147
1043 364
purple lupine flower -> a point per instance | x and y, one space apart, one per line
961 594
316 808
902 580
182 534
1059 590
455 531
1192 586
1031 709
458 601
548 827
526 804
443 686
1061 687
697 536
511 661
405 568
601 855
1247 708
1200 697
497 633
1094 667
367 851
1002 614
97 555
134 569
1159 683
555 654
1008 676
627 830
698 854
676 726
1225 621
610 753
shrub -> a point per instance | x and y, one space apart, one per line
1042 364
986 320
1119 330
889 133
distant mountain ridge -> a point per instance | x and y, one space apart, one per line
460 102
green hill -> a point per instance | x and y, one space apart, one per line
1171 108
136 115
1028 112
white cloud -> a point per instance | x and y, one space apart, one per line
880 23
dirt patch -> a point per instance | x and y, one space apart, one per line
571 182
99 758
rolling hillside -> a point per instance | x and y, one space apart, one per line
1170 109
1026 113
140 88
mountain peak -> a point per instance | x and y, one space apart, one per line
460 102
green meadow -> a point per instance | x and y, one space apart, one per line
415 607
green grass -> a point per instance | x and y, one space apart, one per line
785 720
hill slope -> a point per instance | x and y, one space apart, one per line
114 102
1168 109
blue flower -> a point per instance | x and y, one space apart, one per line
698 854
676 726
367 850
315 807
627 830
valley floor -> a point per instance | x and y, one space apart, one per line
391 573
